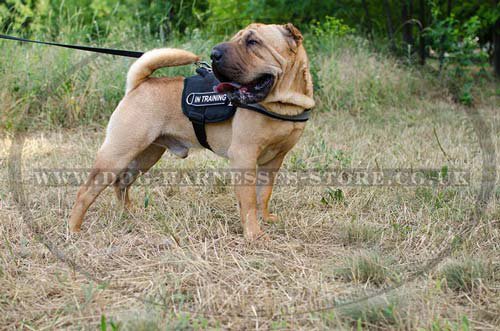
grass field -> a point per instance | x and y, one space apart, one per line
179 260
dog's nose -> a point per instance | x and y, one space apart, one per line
216 54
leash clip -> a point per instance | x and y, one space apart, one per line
204 65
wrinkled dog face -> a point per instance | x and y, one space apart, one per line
253 60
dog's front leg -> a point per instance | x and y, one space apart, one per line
243 164
266 176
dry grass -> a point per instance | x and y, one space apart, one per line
182 259
179 260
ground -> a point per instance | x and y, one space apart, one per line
178 260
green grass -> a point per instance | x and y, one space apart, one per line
368 268
468 274
378 314
358 233
354 78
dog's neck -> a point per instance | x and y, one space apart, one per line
293 92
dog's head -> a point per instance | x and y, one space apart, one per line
264 63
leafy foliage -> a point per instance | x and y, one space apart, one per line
330 27
97 19
457 45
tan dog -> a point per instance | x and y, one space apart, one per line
262 63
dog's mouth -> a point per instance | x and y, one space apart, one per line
253 92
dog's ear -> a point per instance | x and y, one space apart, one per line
294 34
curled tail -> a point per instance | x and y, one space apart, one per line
155 59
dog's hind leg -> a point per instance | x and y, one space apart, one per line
104 173
120 148
141 164
144 161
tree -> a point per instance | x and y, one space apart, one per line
368 20
390 29
421 45
496 45
406 16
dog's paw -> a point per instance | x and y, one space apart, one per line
132 207
263 237
257 236
74 229
271 218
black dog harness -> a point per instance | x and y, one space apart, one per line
202 105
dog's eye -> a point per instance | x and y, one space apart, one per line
252 42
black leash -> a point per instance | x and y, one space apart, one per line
118 52
302 117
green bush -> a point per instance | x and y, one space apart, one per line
458 49
330 27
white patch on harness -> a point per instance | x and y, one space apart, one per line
207 99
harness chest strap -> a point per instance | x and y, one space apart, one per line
199 130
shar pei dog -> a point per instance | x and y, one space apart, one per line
262 64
